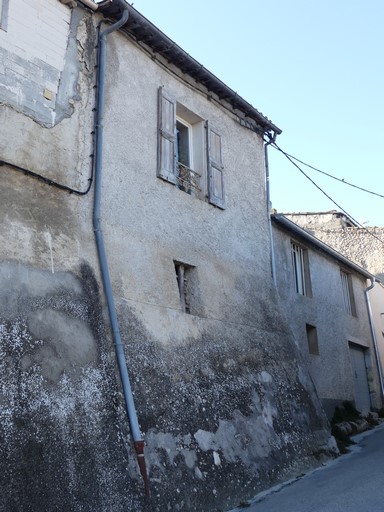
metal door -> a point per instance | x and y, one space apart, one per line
359 369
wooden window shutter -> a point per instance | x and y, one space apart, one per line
215 168
166 166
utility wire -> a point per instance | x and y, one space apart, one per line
291 159
331 176
48 181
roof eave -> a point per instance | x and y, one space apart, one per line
321 246
143 31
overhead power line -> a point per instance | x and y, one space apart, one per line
341 180
293 162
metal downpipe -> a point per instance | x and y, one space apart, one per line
373 333
127 390
268 199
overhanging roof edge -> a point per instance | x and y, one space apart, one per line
152 36
291 226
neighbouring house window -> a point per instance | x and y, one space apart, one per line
189 151
313 344
348 296
183 278
300 265
4 14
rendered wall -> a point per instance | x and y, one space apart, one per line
361 246
331 370
224 402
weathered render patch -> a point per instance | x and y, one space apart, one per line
59 418
224 414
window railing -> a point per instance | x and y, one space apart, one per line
187 179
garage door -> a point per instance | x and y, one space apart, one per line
362 398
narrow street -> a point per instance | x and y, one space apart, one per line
353 483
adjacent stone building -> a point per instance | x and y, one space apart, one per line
326 298
362 245
145 149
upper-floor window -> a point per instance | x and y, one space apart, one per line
189 151
4 14
348 296
300 265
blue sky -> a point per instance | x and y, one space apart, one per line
316 70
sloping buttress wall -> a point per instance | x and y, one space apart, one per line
225 413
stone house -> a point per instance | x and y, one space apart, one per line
362 245
326 298
168 328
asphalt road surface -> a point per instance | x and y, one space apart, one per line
352 483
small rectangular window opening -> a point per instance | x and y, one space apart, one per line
184 283
313 344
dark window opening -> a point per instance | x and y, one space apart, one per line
183 277
182 146
187 178
313 344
